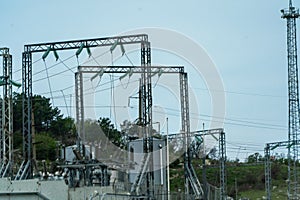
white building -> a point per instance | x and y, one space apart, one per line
159 164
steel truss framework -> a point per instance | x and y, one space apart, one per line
99 70
26 169
145 173
291 14
191 181
6 121
268 177
222 152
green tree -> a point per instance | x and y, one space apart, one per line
64 129
45 147
49 124
43 112
254 158
110 131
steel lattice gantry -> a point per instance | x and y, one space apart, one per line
291 14
268 148
145 173
100 70
25 170
6 132
222 152
192 183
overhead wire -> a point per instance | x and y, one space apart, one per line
94 58
49 84
235 120
18 70
240 93
230 123
66 65
126 86
112 85
112 91
240 122
65 102
56 64
129 59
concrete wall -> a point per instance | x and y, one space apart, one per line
40 190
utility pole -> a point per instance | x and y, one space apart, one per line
291 14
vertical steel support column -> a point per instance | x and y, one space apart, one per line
291 14
192 183
25 170
10 118
7 116
147 114
79 110
2 136
27 59
222 153
184 129
6 121
4 146
185 126
268 180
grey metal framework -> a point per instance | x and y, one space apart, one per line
6 132
108 69
192 183
268 178
25 171
222 152
291 14
145 173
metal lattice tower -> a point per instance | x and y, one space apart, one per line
222 154
25 171
6 137
291 14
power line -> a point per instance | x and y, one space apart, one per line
240 93
49 82
249 123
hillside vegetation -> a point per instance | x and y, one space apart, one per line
244 180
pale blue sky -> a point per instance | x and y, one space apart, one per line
246 39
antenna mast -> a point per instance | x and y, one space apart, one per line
291 14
